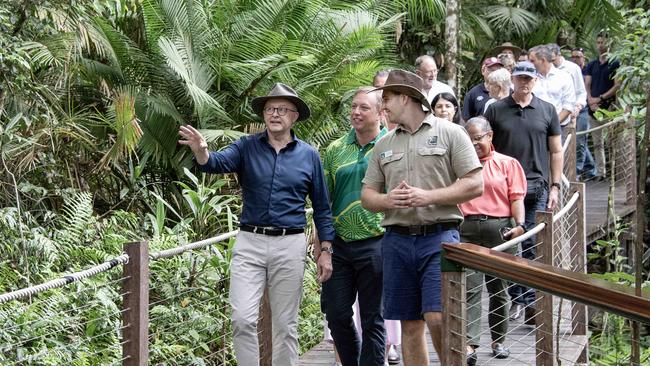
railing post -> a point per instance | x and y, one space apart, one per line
454 314
630 179
265 330
579 255
570 156
544 301
135 303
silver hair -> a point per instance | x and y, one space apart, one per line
500 77
481 122
542 51
369 90
420 60
554 48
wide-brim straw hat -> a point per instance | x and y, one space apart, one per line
282 91
497 50
404 82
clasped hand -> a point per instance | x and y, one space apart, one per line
404 196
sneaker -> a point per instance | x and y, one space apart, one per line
393 357
499 351
472 357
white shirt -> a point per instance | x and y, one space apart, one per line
578 81
438 88
556 88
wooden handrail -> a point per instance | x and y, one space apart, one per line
580 287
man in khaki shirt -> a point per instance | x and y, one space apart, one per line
417 175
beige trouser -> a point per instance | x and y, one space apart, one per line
278 261
599 147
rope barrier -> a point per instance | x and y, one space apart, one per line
65 280
566 143
199 244
519 239
566 207
612 122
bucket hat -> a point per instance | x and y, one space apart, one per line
407 83
507 45
282 91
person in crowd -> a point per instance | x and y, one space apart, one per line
356 261
508 54
445 106
417 175
528 129
601 93
474 102
553 85
277 172
490 219
499 84
507 48
426 68
578 57
380 78
585 167
523 56
393 329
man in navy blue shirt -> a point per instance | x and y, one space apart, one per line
276 171
601 93
478 95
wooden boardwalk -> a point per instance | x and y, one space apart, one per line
596 208
520 340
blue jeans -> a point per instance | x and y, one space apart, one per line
585 164
357 269
536 200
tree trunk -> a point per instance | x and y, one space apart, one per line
451 37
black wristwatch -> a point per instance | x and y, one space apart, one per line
559 187
327 249
523 226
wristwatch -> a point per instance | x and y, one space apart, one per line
556 185
330 250
523 226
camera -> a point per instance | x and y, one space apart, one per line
504 232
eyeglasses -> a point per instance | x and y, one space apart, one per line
281 110
479 138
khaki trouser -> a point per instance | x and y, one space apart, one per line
599 147
486 233
279 262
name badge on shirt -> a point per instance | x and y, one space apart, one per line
432 141
386 154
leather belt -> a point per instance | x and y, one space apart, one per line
483 218
272 231
423 229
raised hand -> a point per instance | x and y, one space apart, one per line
193 138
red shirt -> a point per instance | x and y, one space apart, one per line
504 181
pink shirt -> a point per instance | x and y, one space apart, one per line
504 181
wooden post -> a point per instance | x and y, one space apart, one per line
454 315
579 254
544 305
265 330
570 156
630 179
135 318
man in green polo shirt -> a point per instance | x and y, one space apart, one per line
356 261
